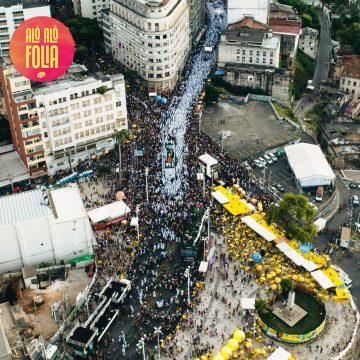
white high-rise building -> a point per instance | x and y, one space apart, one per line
151 37
58 123
79 116
258 9
90 8
13 13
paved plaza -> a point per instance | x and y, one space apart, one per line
220 316
253 126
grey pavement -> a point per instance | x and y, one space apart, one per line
225 318
322 67
253 127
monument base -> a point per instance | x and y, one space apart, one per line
290 317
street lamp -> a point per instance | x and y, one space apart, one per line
141 346
146 184
187 274
137 225
158 332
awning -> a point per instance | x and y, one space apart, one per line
279 354
111 211
322 279
294 256
309 265
283 246
203 266
259 229
248 303
220 198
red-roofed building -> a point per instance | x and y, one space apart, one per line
348 72
289 31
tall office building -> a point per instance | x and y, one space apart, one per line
13 13
54 125
197 9
151 37
90 8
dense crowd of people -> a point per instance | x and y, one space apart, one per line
154 265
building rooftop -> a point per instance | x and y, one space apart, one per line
12 169
246 35
21 207
54 87
292 27
281 7
351 70
25 3
61 198
309 30
247 22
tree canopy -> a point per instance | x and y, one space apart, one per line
262 307
86 32
295 215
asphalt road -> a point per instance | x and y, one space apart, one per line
322 67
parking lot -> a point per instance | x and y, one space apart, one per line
252 127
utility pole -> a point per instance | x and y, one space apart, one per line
137 226
158 332
187 274
141 345
146 184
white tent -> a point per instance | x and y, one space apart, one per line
309 165
294 256
259 229
322 279
208 160
320 224
248 303
309 265
203 266
279 354
283 246
111 211
220 197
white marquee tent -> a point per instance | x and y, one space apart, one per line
309 165
279 354
259 229
322 279
111 211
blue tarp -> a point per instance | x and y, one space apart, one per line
304 248
256 257
219 72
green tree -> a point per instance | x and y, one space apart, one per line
295 215
81 53
262 307
102 89
286 286
211 94
121 137
86 32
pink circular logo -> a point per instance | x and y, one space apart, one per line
42 49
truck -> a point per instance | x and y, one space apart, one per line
345 237
343 276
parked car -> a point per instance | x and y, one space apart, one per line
354 185
273 157
90 270
274 189
279 187
247 166
268 159
355 200
258 163
262 160
319 194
